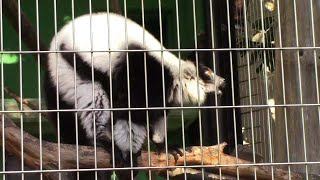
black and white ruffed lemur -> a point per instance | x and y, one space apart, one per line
100 33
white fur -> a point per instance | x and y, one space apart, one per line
159 130
102 118
195 92
192 87
94 33
122 136
97 38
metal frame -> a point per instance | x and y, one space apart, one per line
230 105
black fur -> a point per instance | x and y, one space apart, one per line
119 92
137 86
119 89
67 119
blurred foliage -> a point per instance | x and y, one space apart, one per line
9 58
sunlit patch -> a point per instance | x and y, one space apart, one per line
9 58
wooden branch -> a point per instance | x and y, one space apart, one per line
18 98
28 34
179 173
50 151
24 101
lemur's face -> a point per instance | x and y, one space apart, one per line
210 81
197 84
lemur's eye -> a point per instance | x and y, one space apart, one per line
208 74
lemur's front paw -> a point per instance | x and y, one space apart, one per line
173 149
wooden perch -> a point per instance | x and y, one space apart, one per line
18 98
23 101
211 156
179 173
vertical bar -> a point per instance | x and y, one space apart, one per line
128 82
249 83
249 88
214 69
315 55
232 85
198 88
2 94
57 88
266 86
110 83
255 8
20 88
146 87
300 87
180 75
163 88
283 89
93 92
39 85
75 86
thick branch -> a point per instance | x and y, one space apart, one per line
179 173
212 155
28 34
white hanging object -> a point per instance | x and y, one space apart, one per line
258 37
269 5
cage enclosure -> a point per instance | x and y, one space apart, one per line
141 89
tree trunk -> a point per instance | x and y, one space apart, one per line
303 126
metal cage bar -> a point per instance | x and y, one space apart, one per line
256 104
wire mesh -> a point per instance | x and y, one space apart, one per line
268 114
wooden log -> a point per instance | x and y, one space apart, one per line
212 155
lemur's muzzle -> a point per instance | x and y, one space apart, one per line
213 82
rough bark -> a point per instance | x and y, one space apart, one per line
300 71
212 155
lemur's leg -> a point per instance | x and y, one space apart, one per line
101 118
122 139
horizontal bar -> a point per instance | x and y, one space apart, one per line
161 108
162 167
163 50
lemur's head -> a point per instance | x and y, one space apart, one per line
196 85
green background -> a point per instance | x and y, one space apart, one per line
48 24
